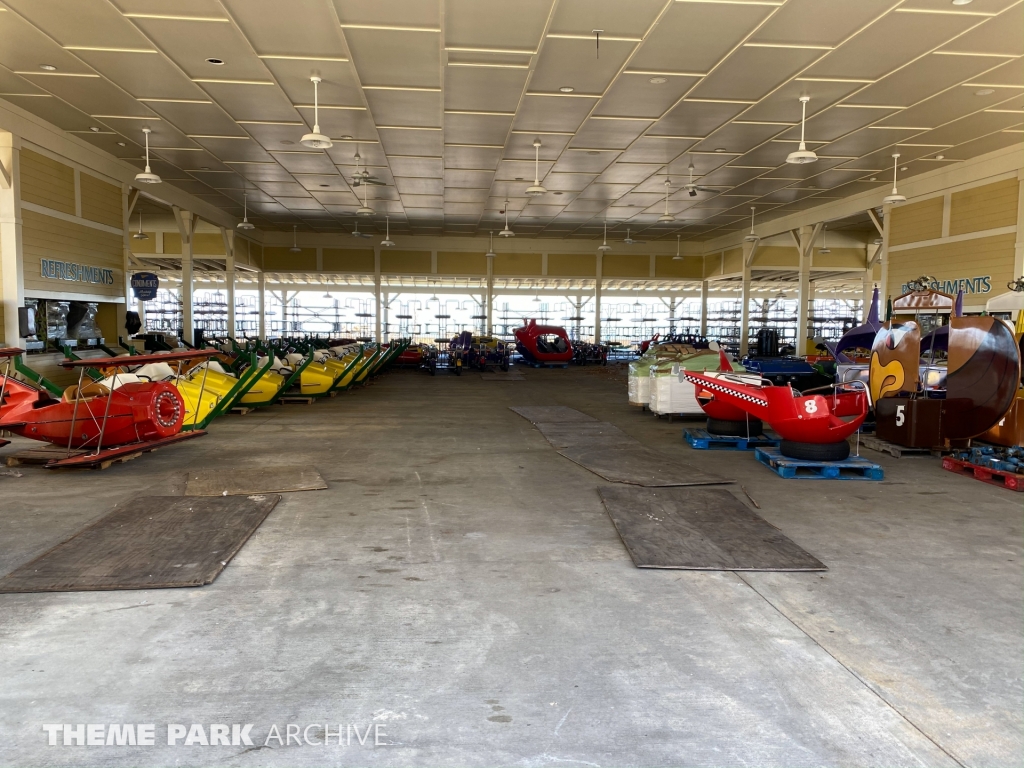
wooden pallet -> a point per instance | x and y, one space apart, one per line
44 454
241 410
853 468
703 440
897 451
295 400
998 477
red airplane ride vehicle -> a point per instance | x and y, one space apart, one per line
812 426
106 418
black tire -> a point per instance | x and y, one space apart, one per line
730 428
815 451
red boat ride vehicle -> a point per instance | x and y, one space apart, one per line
107 418
812 426
543 344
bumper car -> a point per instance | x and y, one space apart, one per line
541 345
723 419
812 426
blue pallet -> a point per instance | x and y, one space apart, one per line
703 440
853 468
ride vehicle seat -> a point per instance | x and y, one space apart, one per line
154 372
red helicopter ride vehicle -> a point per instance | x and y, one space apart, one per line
812 426
98 421
541 345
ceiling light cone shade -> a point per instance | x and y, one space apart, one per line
894 199
316 140
802 156
751 238
535 191
295 249
365 210
506 232
490 254
147 177
824 250
604 247
666 218
677 258
246 224
140 236
387 243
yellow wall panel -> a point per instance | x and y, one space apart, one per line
777 256
987 207
626 265
282 260
689 267
853 258
971 260
517 264
241 250
348 260
405 262
144 246
733 261
48 183
45 237
256 255
456 263
914 222
572 264
172 242
207 244
101 201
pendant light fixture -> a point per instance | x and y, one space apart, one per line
802 155
387 242
140 235
895 198
536 190
666 217
752 238
295 242
147 176
365 209
506 232
316 140
603 247
677 257
245 223
490 248
824 246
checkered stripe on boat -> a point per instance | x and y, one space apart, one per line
714 386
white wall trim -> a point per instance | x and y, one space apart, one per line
69 218
953 239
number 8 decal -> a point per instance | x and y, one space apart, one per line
810 406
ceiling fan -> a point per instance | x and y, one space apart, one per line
356 233
362 176
630 241
691 188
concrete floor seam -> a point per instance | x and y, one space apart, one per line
860 679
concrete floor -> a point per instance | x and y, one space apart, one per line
461 585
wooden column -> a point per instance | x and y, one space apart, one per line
187 222
12 273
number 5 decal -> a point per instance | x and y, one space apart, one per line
900 416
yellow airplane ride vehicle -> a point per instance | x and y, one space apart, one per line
221 380
200 401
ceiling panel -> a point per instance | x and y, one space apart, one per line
695 119
309 28
412 142
25 48
739 137
338 86
750 73
420 186
634 95
608 134
970 127
942 108
628 173
481 158
495 23
681 43
411 108
510 170
80 23
143 75
921 79
648 149
310 161
197 119
1003 34
252 102
477 129
867 140
559 64
190 43
783 105
92 95
457 195
812 22
589 161
396 57
551 113
729 176
483 89
883 47
416 166
520 145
